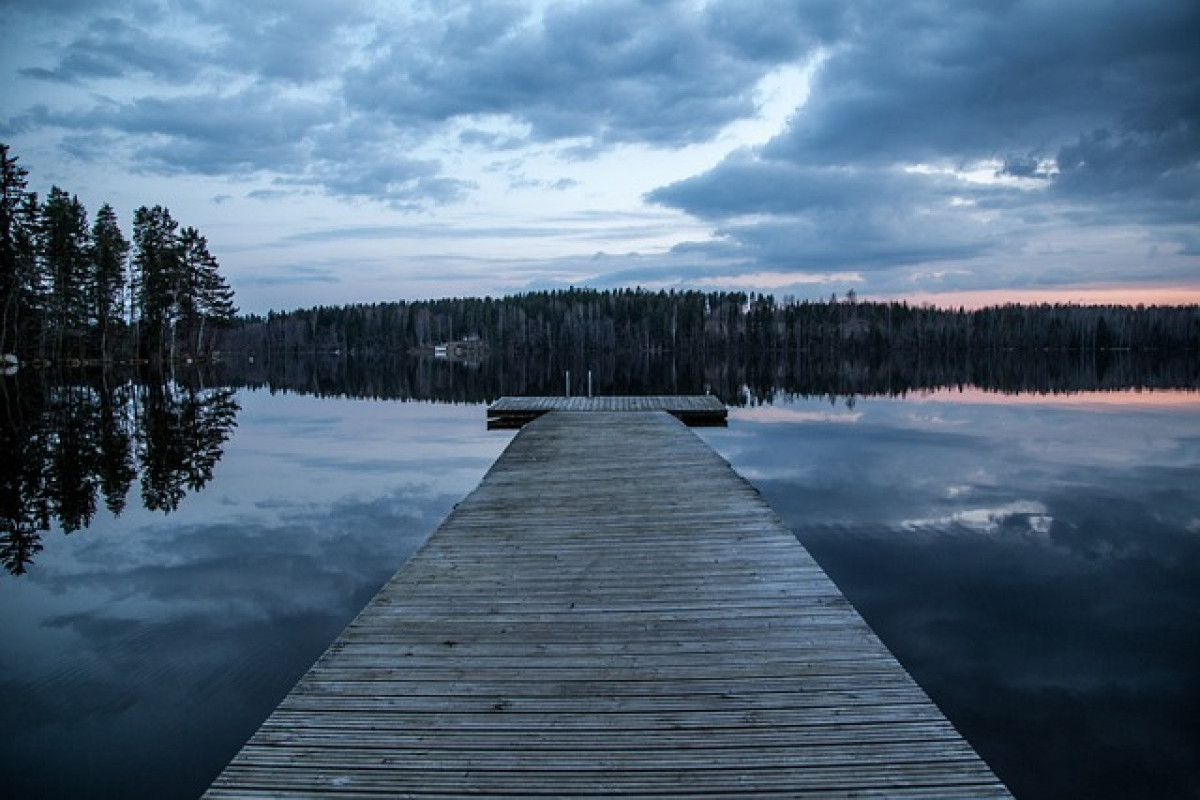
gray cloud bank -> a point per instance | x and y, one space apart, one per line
935 131
1083 114
317 85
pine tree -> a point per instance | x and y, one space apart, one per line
217 308
193 258
110 249
206 298
65 249
15 273
157 277
62 282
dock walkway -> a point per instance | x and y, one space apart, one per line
612 612
693 410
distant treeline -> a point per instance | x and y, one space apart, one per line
698 325
762 378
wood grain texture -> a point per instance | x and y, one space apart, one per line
613 612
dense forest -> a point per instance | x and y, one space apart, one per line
71 291
697 326
763 378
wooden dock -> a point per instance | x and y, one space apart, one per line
613 612
693 410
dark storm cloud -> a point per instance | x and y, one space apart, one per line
952 80
297 42
873 239
1161 169
744 184
867 217
300 42
596 73
399 181
242 114
775 31
258 130
110 48
1098 106
40 8
206 133
613 72
1072 116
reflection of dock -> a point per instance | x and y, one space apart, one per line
694 410
613 611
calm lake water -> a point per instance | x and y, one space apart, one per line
1032 560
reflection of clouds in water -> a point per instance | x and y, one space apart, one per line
879 469
363 448
1018 516
250 570
1116 448
208 624
935 420
888 470
755 474
768 415
147 636
1034 569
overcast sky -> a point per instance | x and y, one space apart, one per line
362 151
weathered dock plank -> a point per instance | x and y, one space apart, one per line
613 612
694 410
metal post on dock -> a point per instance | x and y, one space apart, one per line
568 381
589 384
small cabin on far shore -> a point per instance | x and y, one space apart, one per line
461 350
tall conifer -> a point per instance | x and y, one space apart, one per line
13 283
110 250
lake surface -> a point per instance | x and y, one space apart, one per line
1031 559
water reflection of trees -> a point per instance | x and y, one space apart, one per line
70 444
758 378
